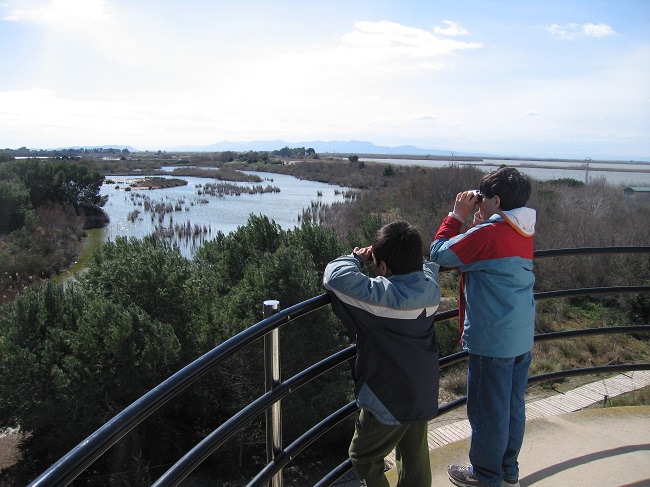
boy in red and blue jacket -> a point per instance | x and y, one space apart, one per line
497 318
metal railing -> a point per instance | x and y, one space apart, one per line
85 453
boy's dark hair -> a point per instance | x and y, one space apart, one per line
399 245
511 186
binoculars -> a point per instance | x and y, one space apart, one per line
479 196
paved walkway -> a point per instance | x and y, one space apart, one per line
579 449
604 447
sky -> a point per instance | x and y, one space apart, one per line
544 78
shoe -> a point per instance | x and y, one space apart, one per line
510 483
461 475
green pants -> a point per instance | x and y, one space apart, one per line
373 441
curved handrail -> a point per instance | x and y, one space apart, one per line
589 291
194 457
286 455
68 467
85 453
223 433
293 449
559 335
593 250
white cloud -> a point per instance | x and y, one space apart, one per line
558 31
391 38
452 29
531 113
30 111
365 71
597 30
66 12
573 31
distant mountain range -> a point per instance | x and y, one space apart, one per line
344 147
321 147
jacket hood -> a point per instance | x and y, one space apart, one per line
521 219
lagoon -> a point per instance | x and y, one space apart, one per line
212 214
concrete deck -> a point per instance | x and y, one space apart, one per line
592 448
565 444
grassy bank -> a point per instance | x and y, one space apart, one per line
91 242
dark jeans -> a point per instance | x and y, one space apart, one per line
497 414
373 441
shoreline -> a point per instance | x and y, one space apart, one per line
603 169
525 163
454 159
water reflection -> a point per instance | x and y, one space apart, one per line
193 214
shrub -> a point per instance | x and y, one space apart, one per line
448 337
14 204
71 360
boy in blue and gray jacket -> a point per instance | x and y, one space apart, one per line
396 367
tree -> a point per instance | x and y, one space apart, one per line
226 156
321 243
14 204
290 276
261 261
227 255
389 172
150 274
70 361
57 182
72 357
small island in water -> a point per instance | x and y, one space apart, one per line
157 183
149 183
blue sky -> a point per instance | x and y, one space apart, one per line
519 77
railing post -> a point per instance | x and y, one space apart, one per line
272 379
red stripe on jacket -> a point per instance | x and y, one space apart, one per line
492 241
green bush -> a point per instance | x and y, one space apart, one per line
150 274
448 337
75 356
70 360
14 204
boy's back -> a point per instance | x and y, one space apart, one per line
396 367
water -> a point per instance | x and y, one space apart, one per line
223 214
624 174
227 213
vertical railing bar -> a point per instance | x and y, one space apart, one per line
272 380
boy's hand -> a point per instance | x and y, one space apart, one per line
464 204
477 218
364 253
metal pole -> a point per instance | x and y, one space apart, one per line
272 379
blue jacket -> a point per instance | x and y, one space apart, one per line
496 261
396 367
